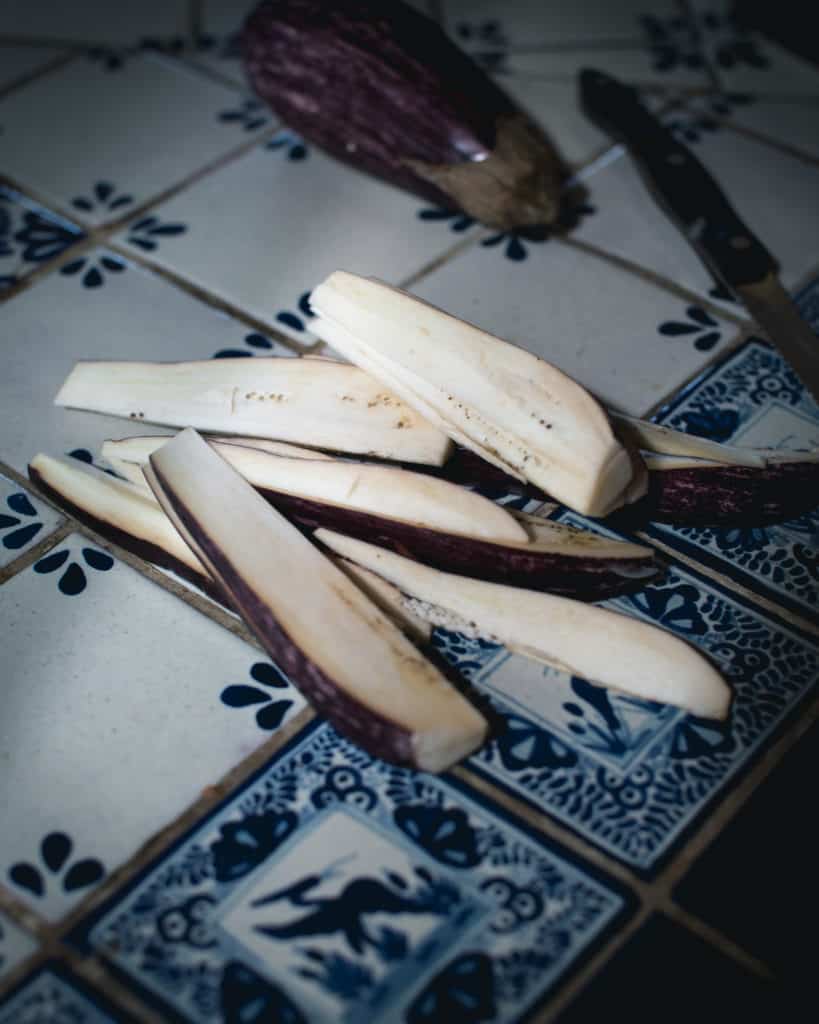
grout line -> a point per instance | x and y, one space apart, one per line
95 973
471 237
715 937
29 920
34 554
768 140
196 19
30 76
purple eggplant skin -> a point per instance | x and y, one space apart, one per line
724 496
582 578
379 86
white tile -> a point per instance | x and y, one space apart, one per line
794 123
29 235
17 62
596 322
289 223
116 716
24 520
93 20
140 128
15 945
132 314
220 56
225 17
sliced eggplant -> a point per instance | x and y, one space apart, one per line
602 646
120 511
314 402
344 654
653 437
389 599
698 492
512 408
138 448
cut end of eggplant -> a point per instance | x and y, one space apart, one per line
604 646
347 657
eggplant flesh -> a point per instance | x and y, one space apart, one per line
381 87
343 653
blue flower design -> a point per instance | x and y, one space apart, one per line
55 851
271 715
343 785
521 744
243 845
717 424
516 905
458 221
145 232
103 195
489 34
672 41
294 321
514 242
73 580
733 44
253 339
188 923
290 144
21 533
445 834
630 791
673 606
246 996
463 993
700 737
93 270
44 238
699 323
250 114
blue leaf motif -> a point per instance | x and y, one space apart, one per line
445 834
675 607
20 503
463 993
243 845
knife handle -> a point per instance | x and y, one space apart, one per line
679 181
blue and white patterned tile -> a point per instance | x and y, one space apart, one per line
110 731
93 21
632 776
789 122
54 996
99 306
622 337
24 520
294 216
334 887
15 946
752 398
159 122
29 236
19 62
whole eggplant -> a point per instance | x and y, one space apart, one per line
380 86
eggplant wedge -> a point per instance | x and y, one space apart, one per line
697 492
515 410
603 646
318 403
654 437
434 522
344 654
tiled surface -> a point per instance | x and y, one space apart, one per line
24 520
18 62
326 885
160 723
91 142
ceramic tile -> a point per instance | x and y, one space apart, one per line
753 399
333 887
607 328
110 733
793 123
705 983
54 996
24 520
632 775
639 64
225 17
295 215
15 946
769 838
93 21
99 307
18 62
29 235
112 136
219 55
746 61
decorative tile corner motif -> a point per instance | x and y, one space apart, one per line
147 232
15 945
753 398
513 243
297 321
701 328
269 685
333 887
731 43
52 996
290 144
29 236
456 221
631 775
486 40
91 271
24 520
255 341
71 564
55 866
672 42
103 197
250 115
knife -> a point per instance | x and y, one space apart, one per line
693 199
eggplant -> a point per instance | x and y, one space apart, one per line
603 646
696 492
389 599
314 402
379 86
348 659
433 522
512 408
654 437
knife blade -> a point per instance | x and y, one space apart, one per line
692 198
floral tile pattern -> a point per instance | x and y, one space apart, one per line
630 775
29 236
333 886
91 141
754 399
24 520
53 996
160 721
331 217
15 945
620 363
132 314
